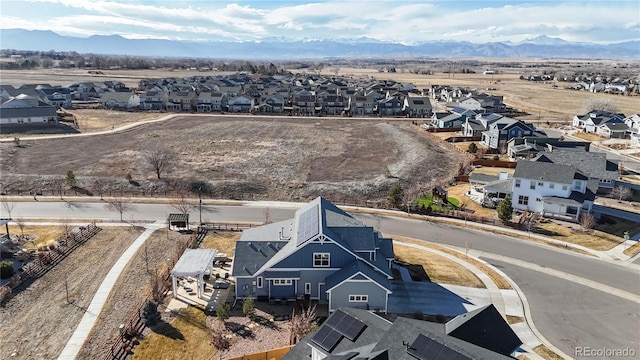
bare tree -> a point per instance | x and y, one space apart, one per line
220 341
603 104
59 184
302 323
530 222
118 204
182 205
99 186
587 221
21 225
7 206
159 158
621 192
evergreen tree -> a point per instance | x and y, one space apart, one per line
505 210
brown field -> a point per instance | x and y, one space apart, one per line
440 269
597 240
243 157
38 321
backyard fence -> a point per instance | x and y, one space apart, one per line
42 261
273 354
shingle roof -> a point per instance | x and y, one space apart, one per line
592 164
390 339
353 268
545 171
486 328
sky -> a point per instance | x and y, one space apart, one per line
406 21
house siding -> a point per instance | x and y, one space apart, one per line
538 193
377 296
303 257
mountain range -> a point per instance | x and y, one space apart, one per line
282 48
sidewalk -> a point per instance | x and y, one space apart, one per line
90 317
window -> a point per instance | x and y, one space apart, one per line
541 184
282 282
320 259
564 187
518 183
577 185
533 185
358 298
307 288
552 185
523 200
572 210
259 281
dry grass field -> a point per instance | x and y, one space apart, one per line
37 322
243 157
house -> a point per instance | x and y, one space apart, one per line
417 106
475 127
58 97
333 104
211 101
594 165
593 119
502 130
390 106
351 333
153 100
613 130
273 104
633 122
484 103
240 104
529 146
361 105
120 100
182 101
552 190
303 102
323 253
24 110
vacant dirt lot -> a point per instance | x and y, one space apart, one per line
38 321
242 157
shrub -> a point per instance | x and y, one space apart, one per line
505 210
248 306
496 157
472 148
395 196
223 311
6 270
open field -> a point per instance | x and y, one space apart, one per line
242 158
38 321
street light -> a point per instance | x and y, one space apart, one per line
200 198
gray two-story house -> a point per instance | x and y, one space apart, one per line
323 253
504 129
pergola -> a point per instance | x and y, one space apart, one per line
5 222
194 263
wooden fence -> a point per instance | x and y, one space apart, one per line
43 261
495 163
273 354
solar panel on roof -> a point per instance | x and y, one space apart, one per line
346 324
425 348
326 338
308 225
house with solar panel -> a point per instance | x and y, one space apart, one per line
351 334
323 253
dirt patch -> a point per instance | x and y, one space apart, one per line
242 158
38 321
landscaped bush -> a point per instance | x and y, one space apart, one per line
6 269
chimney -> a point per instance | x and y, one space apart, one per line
503 175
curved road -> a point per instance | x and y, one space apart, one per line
595 303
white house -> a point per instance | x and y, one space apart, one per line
553 190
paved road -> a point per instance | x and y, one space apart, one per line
549 301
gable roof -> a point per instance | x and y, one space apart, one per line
545 171
486 328
353 268
382 339
593 165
